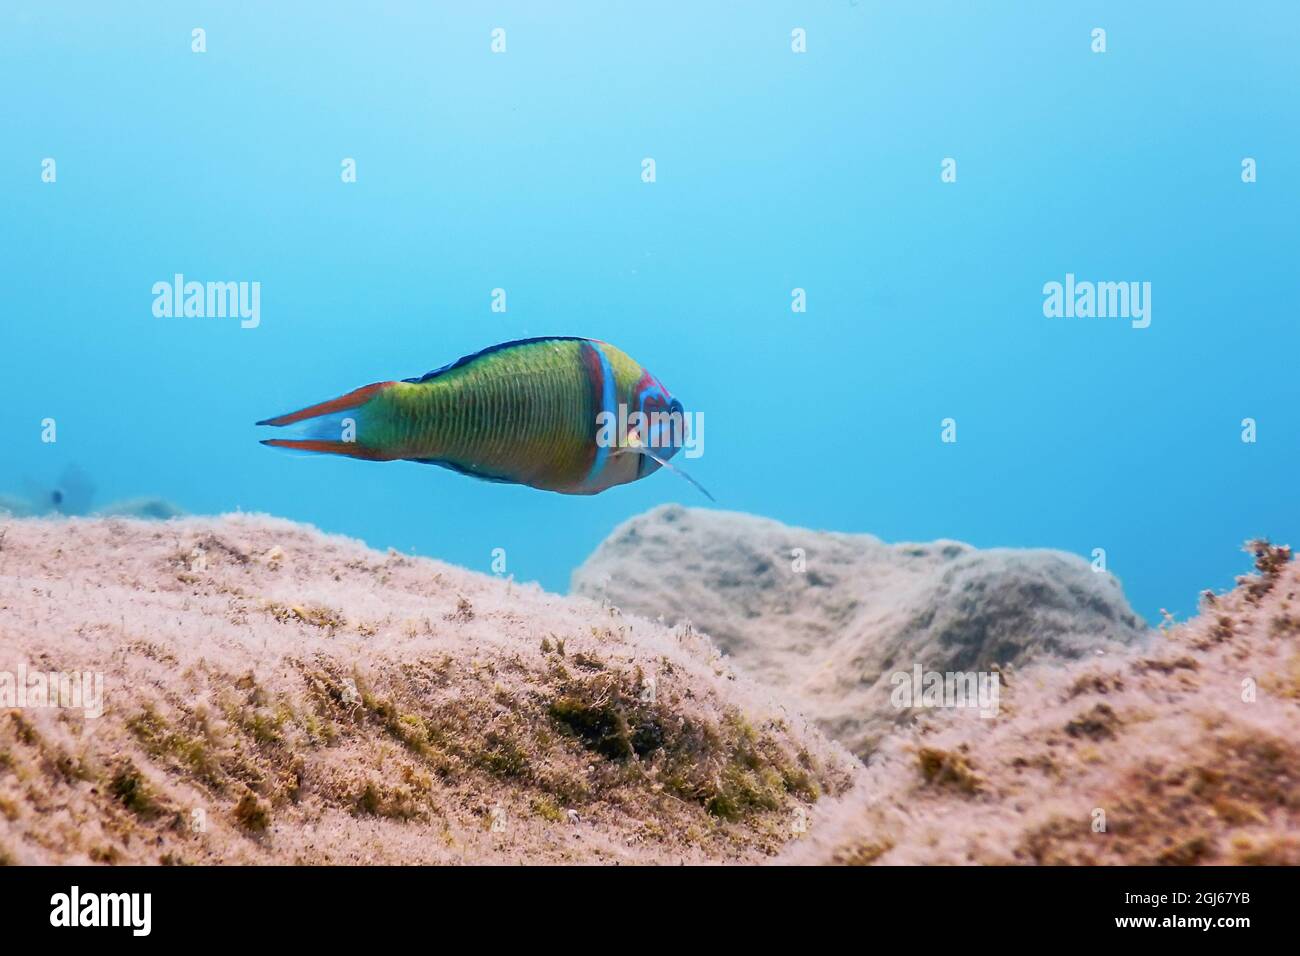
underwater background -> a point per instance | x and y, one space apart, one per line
775 171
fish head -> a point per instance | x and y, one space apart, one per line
661 425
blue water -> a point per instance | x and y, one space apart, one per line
775 170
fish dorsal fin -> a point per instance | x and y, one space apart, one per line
474 356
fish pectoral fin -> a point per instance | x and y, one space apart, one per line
665 463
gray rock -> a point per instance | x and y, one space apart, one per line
12 506
155 509
831 618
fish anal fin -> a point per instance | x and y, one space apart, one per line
464 470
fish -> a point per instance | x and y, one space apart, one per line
71 495
556 413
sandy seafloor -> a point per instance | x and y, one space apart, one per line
272 694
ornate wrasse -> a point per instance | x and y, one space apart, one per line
532 412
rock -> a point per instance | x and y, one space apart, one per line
1185 751
11 506
153 509
831 618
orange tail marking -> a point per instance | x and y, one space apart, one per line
353 399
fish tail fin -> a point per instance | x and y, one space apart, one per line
330 427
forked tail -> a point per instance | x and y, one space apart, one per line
330 427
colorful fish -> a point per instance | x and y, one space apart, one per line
552 413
